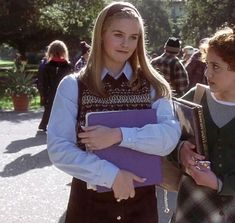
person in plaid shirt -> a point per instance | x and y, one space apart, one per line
85 48
171 68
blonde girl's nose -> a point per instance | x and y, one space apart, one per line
125 42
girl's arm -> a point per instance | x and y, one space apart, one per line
160 138
61 140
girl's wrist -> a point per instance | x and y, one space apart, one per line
117 135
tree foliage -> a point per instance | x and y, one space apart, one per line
156 21
70 17
17 20
203 17
29 25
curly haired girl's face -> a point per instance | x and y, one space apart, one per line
120 41
220 77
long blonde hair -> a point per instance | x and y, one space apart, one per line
58 49
91 75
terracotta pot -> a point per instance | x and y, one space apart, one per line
20 102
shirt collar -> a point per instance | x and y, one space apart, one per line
127 70
222 102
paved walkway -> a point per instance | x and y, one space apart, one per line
32 190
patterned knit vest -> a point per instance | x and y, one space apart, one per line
121 96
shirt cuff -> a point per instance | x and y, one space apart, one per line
108 175
128 137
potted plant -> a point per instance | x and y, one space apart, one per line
21 87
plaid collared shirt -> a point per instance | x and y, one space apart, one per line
173 71
80 64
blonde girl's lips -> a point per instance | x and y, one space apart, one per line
122 51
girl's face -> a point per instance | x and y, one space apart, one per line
221 79
119 42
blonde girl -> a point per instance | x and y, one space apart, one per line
118 76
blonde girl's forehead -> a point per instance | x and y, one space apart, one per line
124 21
121 22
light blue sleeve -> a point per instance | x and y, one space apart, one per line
158 139
61 140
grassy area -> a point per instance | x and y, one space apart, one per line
6 63
6 103
9 64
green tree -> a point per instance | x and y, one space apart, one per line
17 20
74 18
29 25
203 17
156 21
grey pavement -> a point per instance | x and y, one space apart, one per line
32 190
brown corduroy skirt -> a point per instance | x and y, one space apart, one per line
88 206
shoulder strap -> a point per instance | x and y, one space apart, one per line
200 89
79 96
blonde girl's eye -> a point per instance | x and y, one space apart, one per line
134 37
119 35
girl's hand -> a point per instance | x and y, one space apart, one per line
188 156
100 137
123 186
204 176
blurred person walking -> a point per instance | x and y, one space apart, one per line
187 51
85 48
57 66
172 69
196 66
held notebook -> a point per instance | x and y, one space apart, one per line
192 123
142 164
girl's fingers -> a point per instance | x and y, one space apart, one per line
82 135
188 144
132 194
85 141
87 131
85 134
89 128
139 179
198 156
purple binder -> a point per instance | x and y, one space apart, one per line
142 164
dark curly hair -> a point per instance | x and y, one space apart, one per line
223 43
